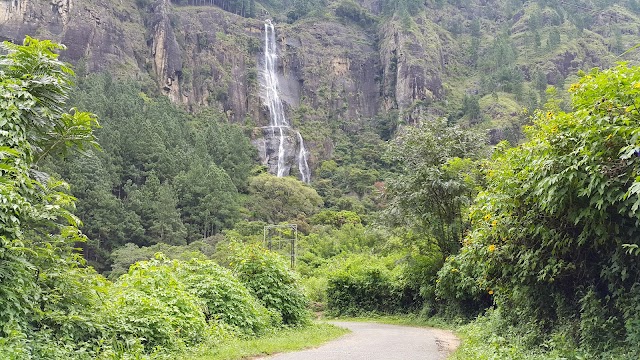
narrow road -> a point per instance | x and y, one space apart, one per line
371 341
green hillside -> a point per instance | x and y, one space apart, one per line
475 162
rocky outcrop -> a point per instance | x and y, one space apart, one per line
413 64
165 51
267 141
215 63
333 69
30 12
103 35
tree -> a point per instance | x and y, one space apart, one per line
550 228
554 39
227 146
207 199
471 108
156 204
105 220
277 199
155 154
37 230
436 180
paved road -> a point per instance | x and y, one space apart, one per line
370 341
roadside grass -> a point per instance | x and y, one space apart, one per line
480 341
488 339
279 341
405 319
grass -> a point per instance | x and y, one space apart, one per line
488 338
407 320
279 341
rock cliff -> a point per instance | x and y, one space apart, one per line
340 65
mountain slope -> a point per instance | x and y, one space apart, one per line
343 62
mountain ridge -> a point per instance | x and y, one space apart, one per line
344 62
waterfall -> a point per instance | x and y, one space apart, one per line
281 154
303 164
272 94
278 121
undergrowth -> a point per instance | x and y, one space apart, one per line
489 338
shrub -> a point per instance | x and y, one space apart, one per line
130 254
70 317
336 218
268 277
364 284
422 259
461 282
65 319
549 230
226 299
152 305
315 288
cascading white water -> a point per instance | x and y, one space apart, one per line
276 108
303 165
281 154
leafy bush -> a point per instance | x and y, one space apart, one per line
336 218
420 274
549 229
492 336
67 322
268 277
226 299
45 308
315 288
152 305
364 283
129 254
327 242
71 306
461 282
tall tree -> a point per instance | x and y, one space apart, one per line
207 198
37 230
279 199
156 204
550 228
435 182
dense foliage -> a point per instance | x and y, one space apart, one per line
280 199
164 176
226 299
37 230
151 304
54 307
549 229
436 181
365 284
270 280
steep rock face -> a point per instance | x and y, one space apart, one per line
332 67
336 71
24 11
267 141
413 63
101 34
167 55
218 53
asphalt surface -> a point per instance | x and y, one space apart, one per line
370 341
